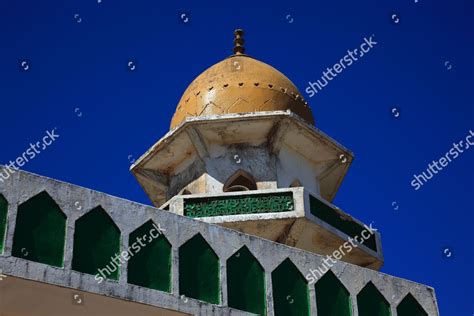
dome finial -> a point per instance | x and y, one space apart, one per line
239 48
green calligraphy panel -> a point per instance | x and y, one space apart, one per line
239 204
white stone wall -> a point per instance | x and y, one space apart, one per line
128 216
292 166
270 171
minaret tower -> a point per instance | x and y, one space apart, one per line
243 152
244 181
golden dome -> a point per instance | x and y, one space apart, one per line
240 84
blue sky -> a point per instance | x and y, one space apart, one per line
78 81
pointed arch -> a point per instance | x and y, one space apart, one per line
290 291
149 266
410 307
370 302
186 192
295 184
96 242
3 221
332 298
40 231
240 181
199 271
246 282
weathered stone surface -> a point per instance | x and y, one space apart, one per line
275 147
76 201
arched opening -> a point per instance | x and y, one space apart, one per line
410 307
199 271
40 231
332 298
96 242
150 266
3 221
246 282
295 184
186 192
290 291
370 302
240 181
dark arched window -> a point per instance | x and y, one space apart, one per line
332 298
40 231
246 282
186 192
290 291
240 181
295 184
150 266
199 271
96 241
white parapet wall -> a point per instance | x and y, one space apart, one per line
77 201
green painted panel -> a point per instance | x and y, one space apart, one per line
96 242
246 282
290 291
370 302
40 231
150 265
240 204
410 307
332 298
199 271
325 213
3 221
